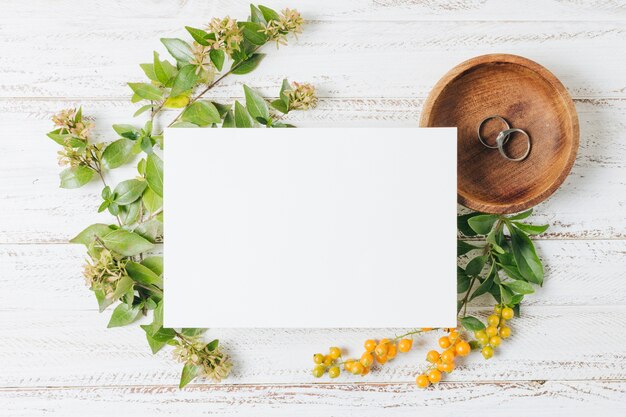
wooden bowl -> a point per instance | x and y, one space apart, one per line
529 97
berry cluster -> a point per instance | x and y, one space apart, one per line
453 345
492 336
375 352
327 363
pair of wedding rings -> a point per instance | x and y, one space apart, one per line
503 137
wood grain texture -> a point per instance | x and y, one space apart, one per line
343 59
74 348
373 62
536 398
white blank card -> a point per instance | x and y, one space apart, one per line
310 227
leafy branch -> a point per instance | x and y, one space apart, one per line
121 269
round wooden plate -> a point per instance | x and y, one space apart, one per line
529 97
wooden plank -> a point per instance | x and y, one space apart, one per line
343 59
536 398
351 10
35 210
71 348
54 276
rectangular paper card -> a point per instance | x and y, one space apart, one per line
310 227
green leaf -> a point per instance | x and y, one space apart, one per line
142 110
472 323
148 69
222 109
191 332
242 117
482 224
128 191
201 113
253 32
154 174
185 80
217 58
212 345
526 257
151 201
256 105
280 106
66 139
190 371
269 14
179 49
284 97
163 70
531 229
123 315
126 131
146 91
126 243
163 334
521 216
520 287
154 263
87 236
155 345
198 35
150 229
229 119
463 247
256 15
118 153
124 285
484 287
142 274
248 65
475 265
75 177
463 226
177 102
129 213
462 281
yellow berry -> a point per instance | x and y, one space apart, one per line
357 368
448 355
487 352
426 329
318 371
334 352
422 381
382 347
444 342
491 331
505 332
447 367
453 336
480 333
328 360
318 358
347 365
392 351
432 356
495 341
434 376
366 370
370 345
493 320
507 313
367 359
405 345
334 372
463 348
497 309
381 359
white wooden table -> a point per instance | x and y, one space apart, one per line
373 63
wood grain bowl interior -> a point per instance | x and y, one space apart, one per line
529 97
